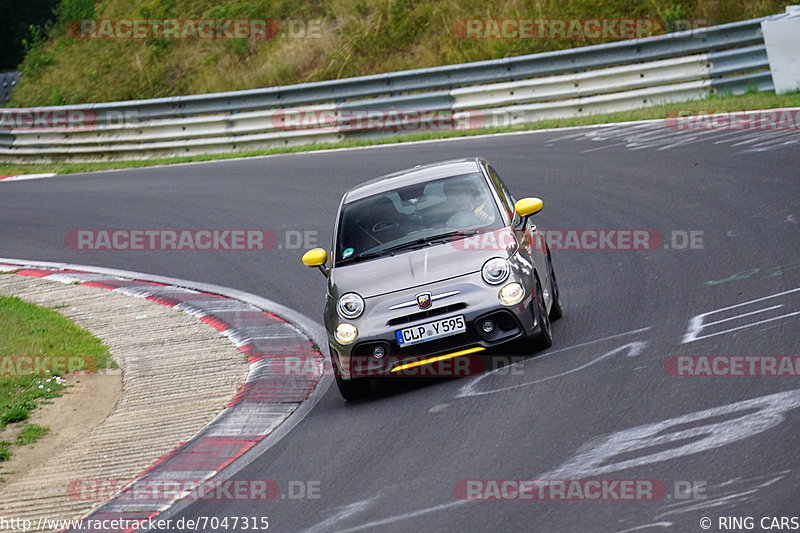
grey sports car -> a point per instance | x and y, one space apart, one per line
431 265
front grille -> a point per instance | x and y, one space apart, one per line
422 315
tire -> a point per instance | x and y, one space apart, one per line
353 389
556 310
545 337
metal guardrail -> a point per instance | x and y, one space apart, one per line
593 79
7 82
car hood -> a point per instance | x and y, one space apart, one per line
408 269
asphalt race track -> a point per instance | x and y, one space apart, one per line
599 404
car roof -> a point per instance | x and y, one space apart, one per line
410 176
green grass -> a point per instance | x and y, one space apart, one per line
15 413
32 333
32 330
357 37
30 433
5 453
765 100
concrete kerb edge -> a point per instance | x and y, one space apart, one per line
305 326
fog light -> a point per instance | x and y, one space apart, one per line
345 333
487 326
378 351
511 294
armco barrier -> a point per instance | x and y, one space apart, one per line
593 79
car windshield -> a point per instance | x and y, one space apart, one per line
415 215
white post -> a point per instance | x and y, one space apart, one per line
782 40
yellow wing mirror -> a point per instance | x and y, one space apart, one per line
528 206
316 257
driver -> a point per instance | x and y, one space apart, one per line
466 203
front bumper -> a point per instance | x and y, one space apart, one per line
475 300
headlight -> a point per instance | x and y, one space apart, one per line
495 271
511 294
345 333
351 305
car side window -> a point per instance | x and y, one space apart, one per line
505 195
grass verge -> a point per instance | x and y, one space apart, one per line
764 100
36 347
336 39
30 433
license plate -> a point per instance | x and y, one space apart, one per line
432 330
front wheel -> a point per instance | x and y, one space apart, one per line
545 337
353 389
556 311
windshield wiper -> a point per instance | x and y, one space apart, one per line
429 240
417 243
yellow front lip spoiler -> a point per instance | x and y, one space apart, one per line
430 360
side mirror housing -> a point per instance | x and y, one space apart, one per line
316 257
528 206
